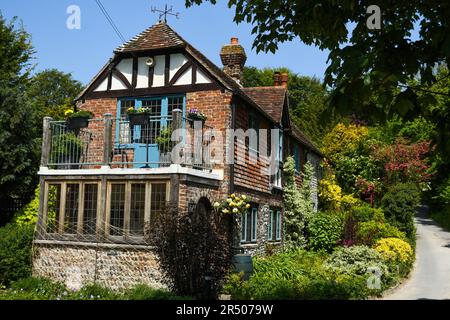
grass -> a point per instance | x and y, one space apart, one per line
44 289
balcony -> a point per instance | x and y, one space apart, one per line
152 144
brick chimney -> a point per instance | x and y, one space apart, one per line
277 79
233 58
284 80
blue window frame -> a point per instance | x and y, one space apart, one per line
274 226
163 105
249 225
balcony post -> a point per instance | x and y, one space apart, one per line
177 121
46 141
107 145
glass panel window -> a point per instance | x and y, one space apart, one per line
71 210
253 140
249 225
158 201
53 207
124 125
151 131
175 103
90 209
137 211
117 211
274 227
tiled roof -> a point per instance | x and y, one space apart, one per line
158 36
271 99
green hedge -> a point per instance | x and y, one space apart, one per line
399 205
15 252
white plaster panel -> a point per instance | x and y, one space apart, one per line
160 65
142 76
185 79
202 77
126 67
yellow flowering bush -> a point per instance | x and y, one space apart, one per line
330 193
343 137
394 250
234 204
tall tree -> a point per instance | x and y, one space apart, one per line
18 121
307 98
414 37
52 92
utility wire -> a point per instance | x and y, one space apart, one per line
110 20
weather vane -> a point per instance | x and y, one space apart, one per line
164 13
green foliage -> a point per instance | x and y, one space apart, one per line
366 213
19 155
15 252
369 232
52 92
395 250
44 289
298 206
164 140
307 99
68 148
28 216
400 204
80 114
325 231
144 292
357 260
296 274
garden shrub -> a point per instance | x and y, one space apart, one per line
358 260
15 252
31 288
29 214
395 250
366 213
325 231
298 205
371 231
399 205
296 274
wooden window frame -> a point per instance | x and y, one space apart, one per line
62 207
274 231
127 212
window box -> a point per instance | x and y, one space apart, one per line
138 119
76 123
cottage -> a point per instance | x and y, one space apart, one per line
104 180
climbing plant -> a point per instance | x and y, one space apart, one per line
298 205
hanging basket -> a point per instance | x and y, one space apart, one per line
77 123
138 119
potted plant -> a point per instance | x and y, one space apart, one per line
67 151
78 120
165 144
138 117
196 115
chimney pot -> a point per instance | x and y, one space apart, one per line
277 79
233 59
284 79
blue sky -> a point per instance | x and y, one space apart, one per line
83 52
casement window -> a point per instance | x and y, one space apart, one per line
132 205
274 226
71 207
249 225
253 139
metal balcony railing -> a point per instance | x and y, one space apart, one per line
126 143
